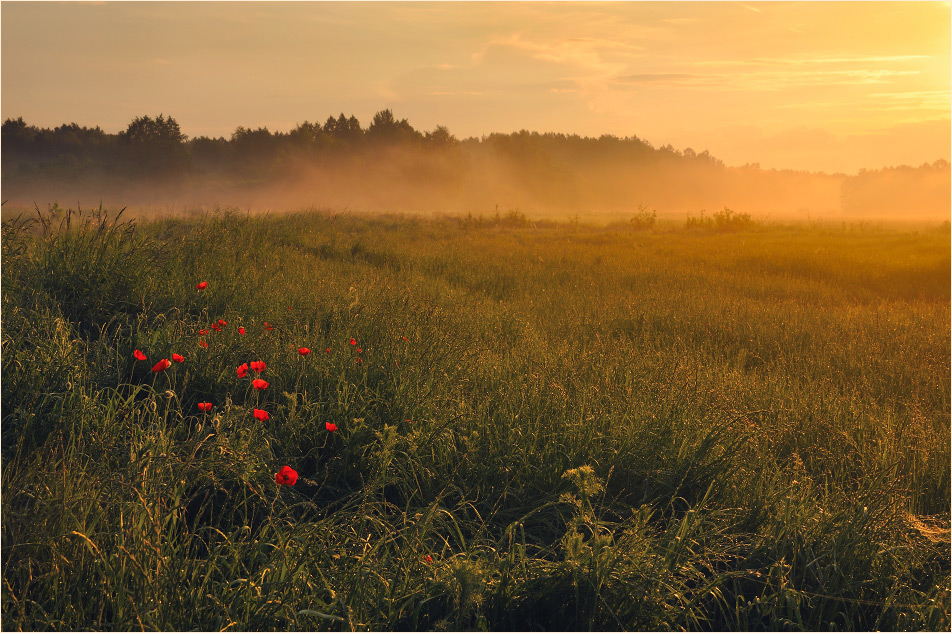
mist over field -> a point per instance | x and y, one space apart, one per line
391 167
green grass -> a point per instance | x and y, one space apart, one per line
582 427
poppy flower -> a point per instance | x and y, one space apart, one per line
205 406
162 365
328 350
259 384
201 285
139 355
261 415
243 370
178 358
360 351
330 426
353 341
222 322
258 365
287 476
428 559
359 361
202 332
267 326
241 330
303 351
405 339
216 327
203 343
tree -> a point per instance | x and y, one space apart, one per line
156 146
386 128
441 137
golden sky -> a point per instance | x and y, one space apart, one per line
822 86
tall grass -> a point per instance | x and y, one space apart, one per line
546 427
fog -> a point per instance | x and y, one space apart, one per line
541 176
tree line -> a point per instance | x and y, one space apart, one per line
155 147
435 169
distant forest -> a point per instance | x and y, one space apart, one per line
391 165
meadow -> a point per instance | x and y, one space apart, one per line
500 424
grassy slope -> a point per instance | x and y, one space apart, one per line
584 428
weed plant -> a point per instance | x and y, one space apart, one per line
500 425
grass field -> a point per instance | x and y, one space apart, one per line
539 426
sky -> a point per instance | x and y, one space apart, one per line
819 86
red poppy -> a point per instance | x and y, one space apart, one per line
428 559
330 426
353 341
303 351
222 322
287 476
139 355
201 285
405 339
216 327
258 365
359 361
178 358
261 415
241 330
268 326
205 406
328 350
259 384
203 343
243 370
289 307
202 332
360 351
162 365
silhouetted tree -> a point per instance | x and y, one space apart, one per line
386 128
156 146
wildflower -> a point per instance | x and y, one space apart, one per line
428 559
360 351
287 476
216 327
328 350
202 332
242 370
261 415
303 351
201 285
330 426
359 360
353 341
241 330
268 326
178 358
203 343
258 365
405 339
205 406
222 322
162 365
259 384
139 355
